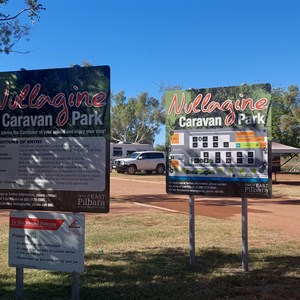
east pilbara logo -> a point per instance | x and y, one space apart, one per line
257 188
91 200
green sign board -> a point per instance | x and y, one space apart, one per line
54 139
218 141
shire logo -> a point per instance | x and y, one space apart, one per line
205 105
74 224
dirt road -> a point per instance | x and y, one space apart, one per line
281 213
145 193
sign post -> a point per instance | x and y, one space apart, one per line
245 234
192 260
75 285
218 144
19 283
49 241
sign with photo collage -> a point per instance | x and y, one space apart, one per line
218 141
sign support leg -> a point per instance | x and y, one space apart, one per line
192 230
245 234
19 283
75 286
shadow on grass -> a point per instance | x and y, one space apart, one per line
165 274
161 274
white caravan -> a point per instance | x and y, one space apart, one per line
123 150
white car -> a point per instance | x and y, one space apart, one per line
148 161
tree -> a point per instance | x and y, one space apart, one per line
286 115
160 147
163 88
11 30
84 63
137 119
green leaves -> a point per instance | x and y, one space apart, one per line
11 30
136 119
286 115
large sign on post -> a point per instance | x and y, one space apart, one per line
218 141
54 139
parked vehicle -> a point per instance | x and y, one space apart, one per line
148 161
123 150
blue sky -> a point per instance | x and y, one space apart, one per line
191 43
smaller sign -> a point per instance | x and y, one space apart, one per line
49 241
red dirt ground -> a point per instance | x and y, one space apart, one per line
144 193
281 212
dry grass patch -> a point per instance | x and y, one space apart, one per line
145 256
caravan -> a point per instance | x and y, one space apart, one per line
123 150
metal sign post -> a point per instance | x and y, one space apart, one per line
75 286
19 283
245 234
192 230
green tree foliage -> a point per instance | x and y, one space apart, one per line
139 119
84 63
136 119
163 88
286 115
160 147
11 29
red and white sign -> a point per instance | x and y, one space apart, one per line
34 223
50 241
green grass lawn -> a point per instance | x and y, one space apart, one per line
145 256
